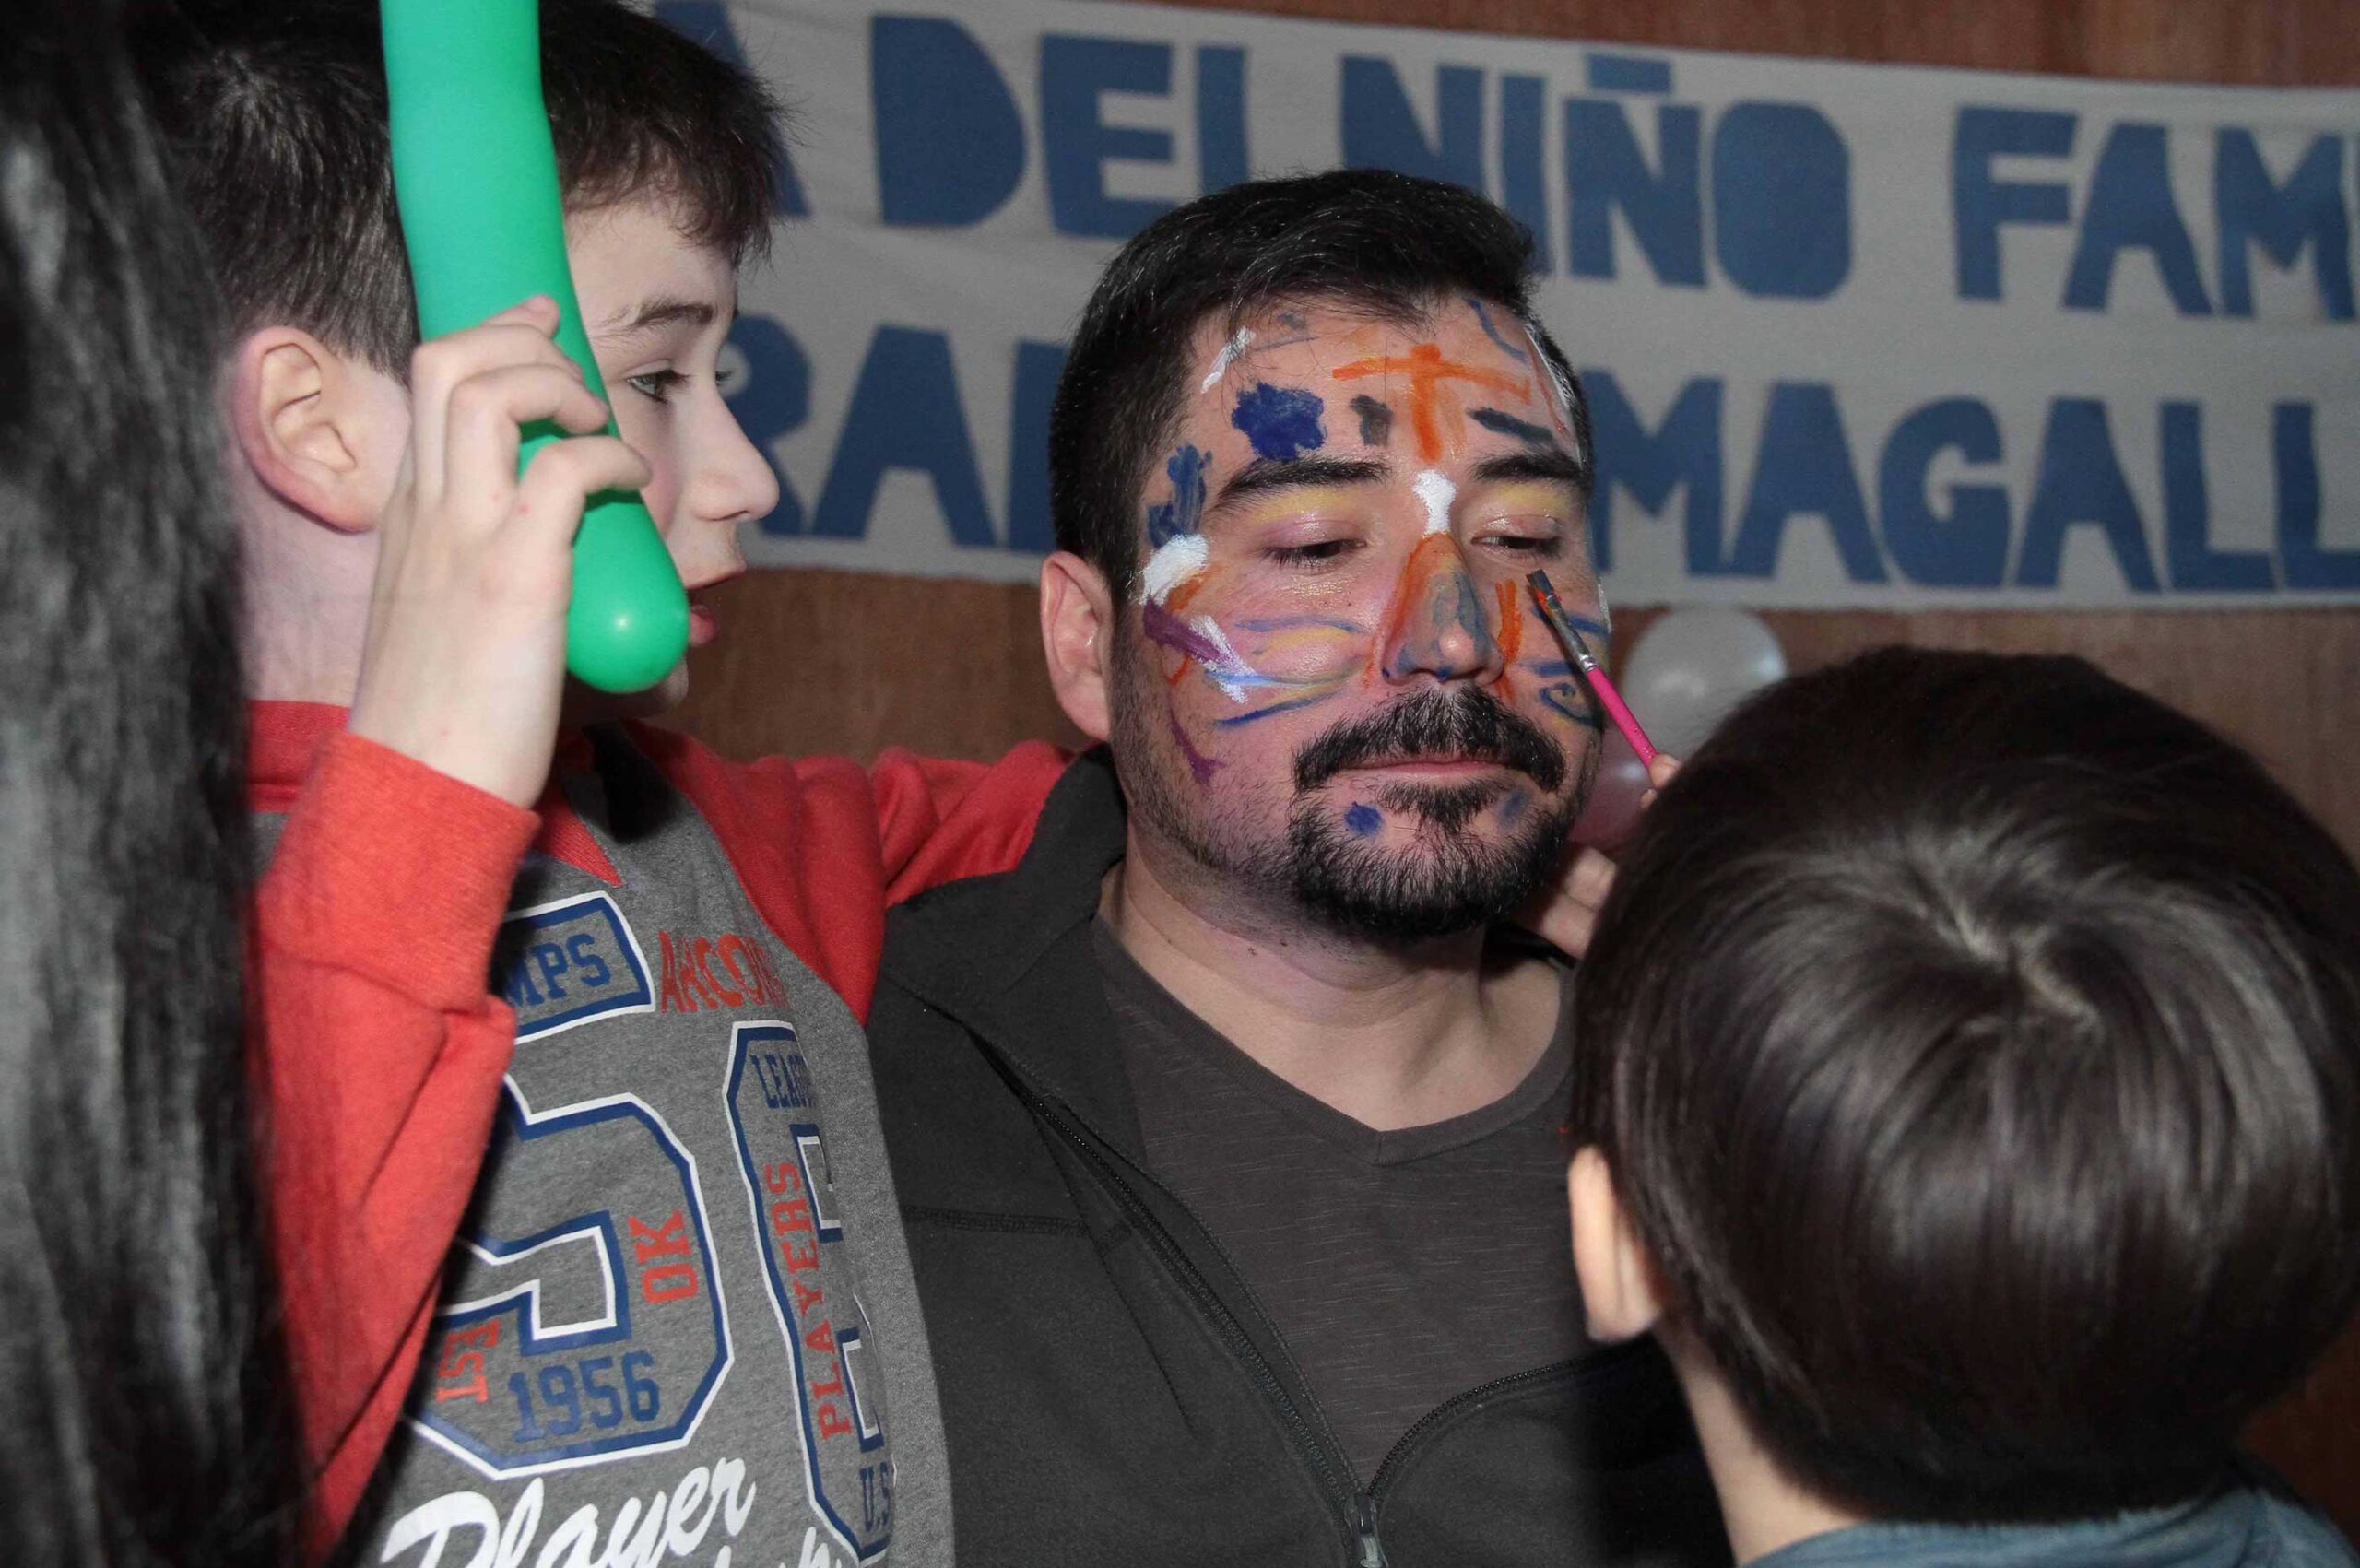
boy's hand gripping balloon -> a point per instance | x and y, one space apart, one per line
476 175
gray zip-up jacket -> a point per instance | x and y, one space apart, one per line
1112 1393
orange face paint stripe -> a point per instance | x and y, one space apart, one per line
1511 637
1427 370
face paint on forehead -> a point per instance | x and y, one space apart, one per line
1434 380
1281 422
1230 350
1507 424
1491 331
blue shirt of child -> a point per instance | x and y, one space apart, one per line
2244 1528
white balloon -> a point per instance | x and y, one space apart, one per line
1691 666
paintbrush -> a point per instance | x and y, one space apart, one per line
1592 671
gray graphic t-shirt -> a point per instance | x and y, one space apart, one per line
678 1324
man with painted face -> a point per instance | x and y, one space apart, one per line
1226 1125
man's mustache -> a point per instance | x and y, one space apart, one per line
1458 724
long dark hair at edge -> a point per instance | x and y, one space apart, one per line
144 1412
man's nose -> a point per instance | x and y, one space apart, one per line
1439 625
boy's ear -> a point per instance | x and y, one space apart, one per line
322 431
1078 631
1620 1291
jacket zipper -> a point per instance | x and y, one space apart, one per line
1449 1408
1359 1508
1371 1550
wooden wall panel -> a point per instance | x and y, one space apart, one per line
830 662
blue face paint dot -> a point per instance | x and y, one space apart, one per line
1364 820
1281 421
1512 809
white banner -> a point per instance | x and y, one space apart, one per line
1853 335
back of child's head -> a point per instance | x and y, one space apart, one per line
275 113
1974 1045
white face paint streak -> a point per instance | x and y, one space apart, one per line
1437 493
1180 558
1564 387
1233 675
1226 357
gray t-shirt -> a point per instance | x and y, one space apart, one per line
678 1321
1404 1267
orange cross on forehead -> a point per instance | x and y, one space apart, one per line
1427 370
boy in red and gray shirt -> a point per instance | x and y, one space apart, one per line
680 1313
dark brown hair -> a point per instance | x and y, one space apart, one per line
1976 1045
146 1416
275 113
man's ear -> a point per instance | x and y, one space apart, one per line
322 431
1620 1291
1078 631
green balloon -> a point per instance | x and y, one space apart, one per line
484 220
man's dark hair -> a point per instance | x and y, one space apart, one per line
1388 244
275 113
146 1415
1976 1046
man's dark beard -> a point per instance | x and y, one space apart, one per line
1448 883
1454 885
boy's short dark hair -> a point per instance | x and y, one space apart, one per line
1976 1046
1391 245
275 114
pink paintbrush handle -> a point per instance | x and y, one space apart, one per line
1619 712
1592 671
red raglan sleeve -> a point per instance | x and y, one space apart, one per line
824 845
939 820
382 1053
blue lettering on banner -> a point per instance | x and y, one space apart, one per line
2187 553
2131 207
814 1284
1076 141
2306 212
1683 452
1607 173
950 140
1524 184
1380 130
2080 484
1782 201
1967 546
1221 157
1803 466
2295 453
905 413
1626 73
565 964
1981 203
573 1338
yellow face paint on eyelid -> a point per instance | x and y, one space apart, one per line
1525 497
1311 503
